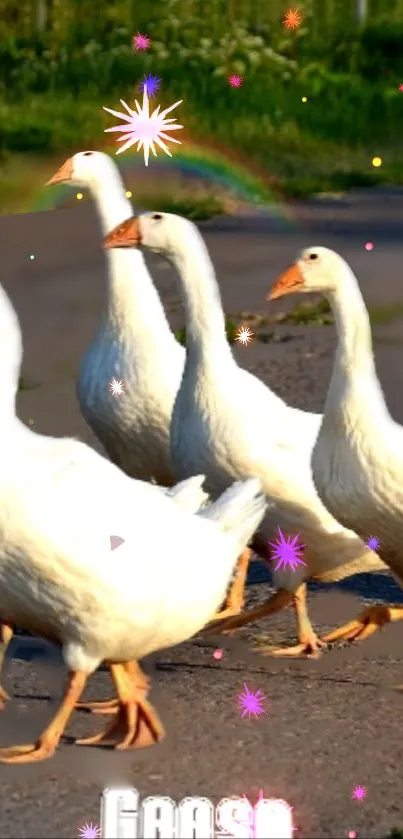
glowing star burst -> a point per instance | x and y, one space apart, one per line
251 703
235 81
359 793
244 335
89 831
143 129
292 19
140 42
250 821
274 820
373 543
152 82
116 387
287 552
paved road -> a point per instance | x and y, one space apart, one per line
331 724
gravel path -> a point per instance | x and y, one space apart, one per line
330 724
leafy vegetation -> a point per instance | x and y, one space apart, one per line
319 313
231 329
26 383
311 313
60 62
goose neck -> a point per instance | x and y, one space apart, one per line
354 384
111 202
353 326
133 305
205 321
10 359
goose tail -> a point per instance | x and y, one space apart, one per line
239 510
189 494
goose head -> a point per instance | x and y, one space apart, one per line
162 233
85 169
317 270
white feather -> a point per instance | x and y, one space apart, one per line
358 458
229 425
134 344
59 503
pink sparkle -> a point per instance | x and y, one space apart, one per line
217 654
140 42
369 246
287 551
250 823
235 81
278 820
89 831
251 703
352 834
359 793
401 87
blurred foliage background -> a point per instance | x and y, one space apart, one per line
61 60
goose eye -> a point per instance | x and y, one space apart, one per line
87 153
156 217
313 256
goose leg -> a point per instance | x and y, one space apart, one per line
275 603
111 706
136 724
48 741
309 643
368 622
236 594
6 634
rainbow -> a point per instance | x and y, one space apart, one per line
212 165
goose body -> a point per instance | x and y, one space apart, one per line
357 461
134 343
229 425
59 502
59 579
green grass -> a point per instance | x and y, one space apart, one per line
193 207
196 206
383 315
231 329
310 313
22 179
25 383
318 313
286 154
52 91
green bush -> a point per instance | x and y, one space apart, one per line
52 89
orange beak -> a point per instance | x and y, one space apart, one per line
125 235
286 283
64 174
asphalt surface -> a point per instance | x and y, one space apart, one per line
330 725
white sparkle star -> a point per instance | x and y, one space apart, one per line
143 129
244 335
116 387
89 831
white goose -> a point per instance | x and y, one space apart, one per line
134 343
59 503
190 496
228 424
357 461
